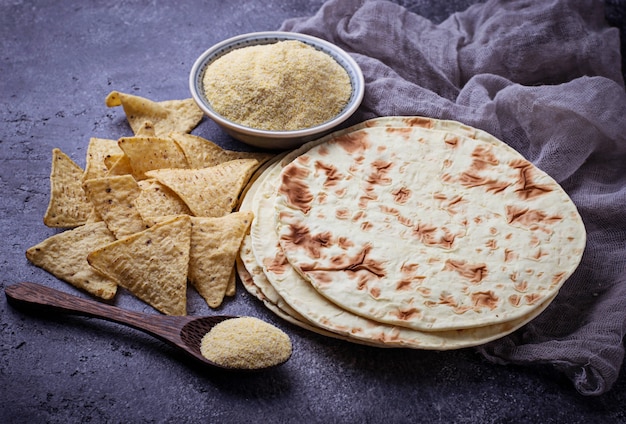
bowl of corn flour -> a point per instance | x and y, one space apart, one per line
276 90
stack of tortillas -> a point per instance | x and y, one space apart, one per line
408 232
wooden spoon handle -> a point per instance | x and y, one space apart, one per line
46 298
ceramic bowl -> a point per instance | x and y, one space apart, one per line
275 140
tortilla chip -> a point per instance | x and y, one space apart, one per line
110 160
121 166
68 205
151 221
146 130
98 151
155 199
64 255
208 192
148 153
202 153
215 244
167 116
231 289
152 264
113 198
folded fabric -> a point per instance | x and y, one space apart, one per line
544 77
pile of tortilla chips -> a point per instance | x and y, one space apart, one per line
150 212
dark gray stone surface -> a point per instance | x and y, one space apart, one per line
59 59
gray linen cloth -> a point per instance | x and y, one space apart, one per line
544 77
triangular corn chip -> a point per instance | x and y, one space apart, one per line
215 243
120 167
156 199
112 198
152 264
110 160
232 284
208 192
64 255
97 152
153 220
68 205
146 130
202 153
167 116
148 153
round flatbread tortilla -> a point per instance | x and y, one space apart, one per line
326 316
429 230
254 280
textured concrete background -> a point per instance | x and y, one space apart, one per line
59 59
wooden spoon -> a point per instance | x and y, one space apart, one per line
183 332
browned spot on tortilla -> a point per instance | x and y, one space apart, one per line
369 196
526 187
359 215
402 131
426 233
303 159
418 121
323 277
532 299
366 225
356 263
407 222
362 262
409 268
362 281
375 292
404 284
540 253
451 140
300 236
471 179
332 175
448 300
389 210
401 195
342 213
483 158
353 142
474 273
450 205
557 278
515 299
527 217
408 314
277 264
424 291
345 243
387 338
484 299
521 286
379 175
296 191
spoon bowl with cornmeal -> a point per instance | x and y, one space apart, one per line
183 332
